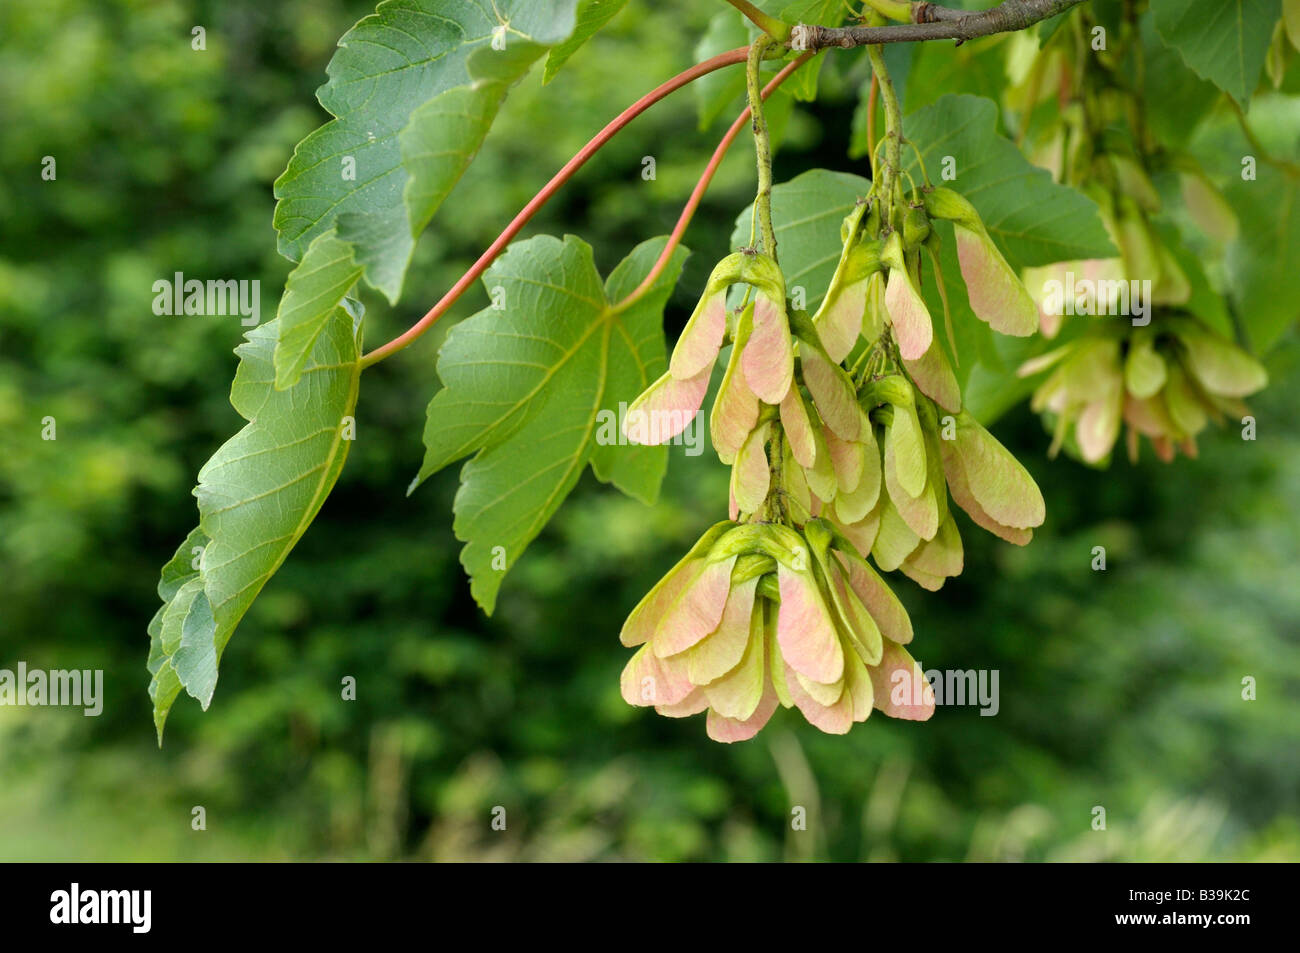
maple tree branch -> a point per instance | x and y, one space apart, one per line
930 21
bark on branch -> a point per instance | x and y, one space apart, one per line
933 22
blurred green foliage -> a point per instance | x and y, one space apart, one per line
1120 689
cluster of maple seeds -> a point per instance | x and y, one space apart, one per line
1165 378
846 437
1166 381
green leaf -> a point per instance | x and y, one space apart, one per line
992 387
256 496
937 69
1034 220
314 289
801 85
1224 41
592 17
1264 263
445 134
532 387
183 566
187 638
178 572
387 66
1047 28
859 142
1176 99
806 215
820 12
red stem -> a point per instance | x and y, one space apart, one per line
540 199
702 185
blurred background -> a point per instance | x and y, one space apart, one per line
1120 689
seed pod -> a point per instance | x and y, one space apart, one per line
1208 208
829 385
832 392
920 511
936 560
649 680
862 534
916 227
798 429
839 318
1097 427
645 618
750 474
736 408
924 511
805 632
895 540
1142 259
665 408
852 504
767 360
697 611
932 248
821 476
1184 404
908 314
995 292
799 502
737 694
934 377
934 478
1135 183
1174 377
876 316
1220 366
723 650
990 484
701 339
1144 368
1173 288
793 618
728 730
904 442
1047 286
901 689
851 226
1070 386
885 609
851 616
